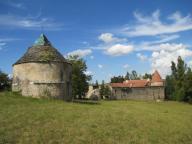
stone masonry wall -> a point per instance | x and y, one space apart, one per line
148 93
43 79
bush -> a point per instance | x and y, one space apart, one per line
189 99
5 82
94 97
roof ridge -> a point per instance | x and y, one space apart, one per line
156 76
41 51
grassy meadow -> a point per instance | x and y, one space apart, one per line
31 121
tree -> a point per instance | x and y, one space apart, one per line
134 75
102 90
118 79
96 84
4 81
107 91
127 76
79 78
147 76
175 82
180 77
169 88
174 70
188 86
179 83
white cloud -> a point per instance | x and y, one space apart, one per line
119 49
142 57
190 64
100 66
110 75
157 47
162 39
88 72
109 38
16 5
28 22
152 25
4 41
80 52
2 44
161 59
172 46
92 57
85 43
8 39
125 66
10 76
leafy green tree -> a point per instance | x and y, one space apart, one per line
179 74
179 83
169 88
147 76
79 78
5 83
118 79
174 70
188 86
107 91
102 90
96 84
127 76
134 75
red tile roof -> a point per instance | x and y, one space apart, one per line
139 83
131 83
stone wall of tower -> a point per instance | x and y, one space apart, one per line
43 80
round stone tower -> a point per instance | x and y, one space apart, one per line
43 72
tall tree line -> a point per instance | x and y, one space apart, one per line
130 76
179 83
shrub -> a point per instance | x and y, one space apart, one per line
5 82
94 97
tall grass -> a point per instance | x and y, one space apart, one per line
29 120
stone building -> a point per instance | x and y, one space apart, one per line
43 72
140 89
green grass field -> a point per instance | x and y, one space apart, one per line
29 120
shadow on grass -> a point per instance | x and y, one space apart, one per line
83 101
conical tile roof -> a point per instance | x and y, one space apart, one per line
156 77
41 51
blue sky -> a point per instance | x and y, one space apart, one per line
113 36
